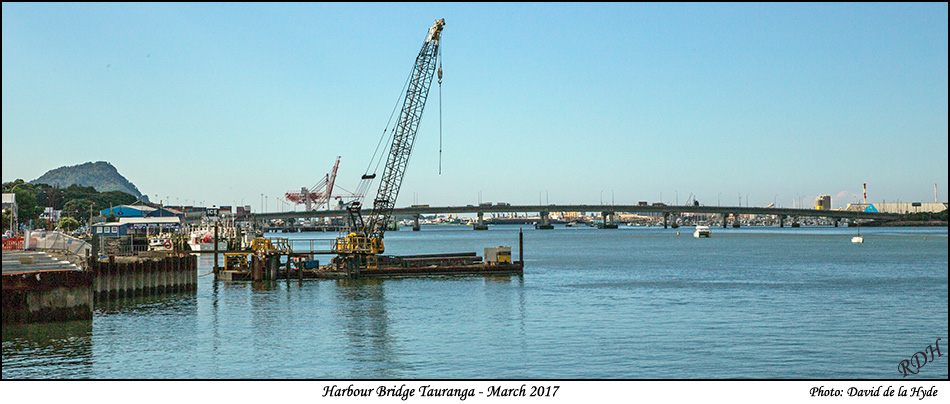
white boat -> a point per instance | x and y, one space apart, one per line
701 231
858 239
162 242
203 240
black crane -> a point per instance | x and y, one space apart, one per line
366 240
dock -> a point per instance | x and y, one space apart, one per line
40 288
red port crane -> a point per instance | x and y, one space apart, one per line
319 194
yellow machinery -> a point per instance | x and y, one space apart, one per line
235 262
359 244
498 255
263 246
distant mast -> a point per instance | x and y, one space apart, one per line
865 193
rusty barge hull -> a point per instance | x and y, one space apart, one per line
480 269
516 268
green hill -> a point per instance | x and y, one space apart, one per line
100 175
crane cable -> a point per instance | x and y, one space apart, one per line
440 110
387 134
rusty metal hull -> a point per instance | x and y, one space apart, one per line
479 269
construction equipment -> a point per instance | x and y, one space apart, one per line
360 247
319 194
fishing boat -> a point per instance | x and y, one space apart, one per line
160 242
203 240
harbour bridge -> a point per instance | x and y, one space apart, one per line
607 212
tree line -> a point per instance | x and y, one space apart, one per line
76 202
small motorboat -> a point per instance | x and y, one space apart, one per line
701 231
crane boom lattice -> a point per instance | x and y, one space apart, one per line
367 239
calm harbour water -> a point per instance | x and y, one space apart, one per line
637 303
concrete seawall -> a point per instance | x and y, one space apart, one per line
44 296
42 292
122 278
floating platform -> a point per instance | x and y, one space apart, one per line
454 264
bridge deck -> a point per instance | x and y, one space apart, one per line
428 210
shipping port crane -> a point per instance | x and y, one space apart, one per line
319 194
365 241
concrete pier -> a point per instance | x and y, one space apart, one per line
608 220
545 223
136 277
480 225
41 289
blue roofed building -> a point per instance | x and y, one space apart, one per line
127 211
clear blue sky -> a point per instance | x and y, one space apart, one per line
221 103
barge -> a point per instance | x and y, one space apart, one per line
267 264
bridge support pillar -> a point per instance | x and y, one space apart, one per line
724 216
545 223
735 221
415 222
666 218
480 224
781 220
608 218
836 222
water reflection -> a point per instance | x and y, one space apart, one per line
47 350
367 328
144 304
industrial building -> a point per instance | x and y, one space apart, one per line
823 202
899 207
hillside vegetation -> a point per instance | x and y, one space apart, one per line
100 175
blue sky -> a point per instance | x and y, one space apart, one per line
579 103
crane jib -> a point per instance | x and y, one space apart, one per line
368 235
404 133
